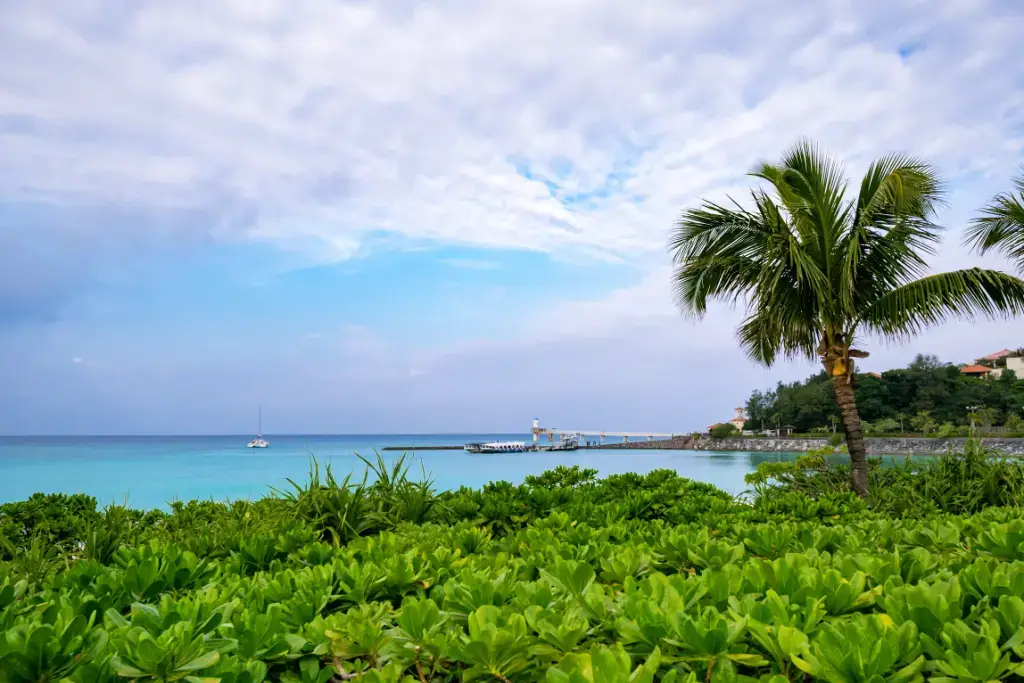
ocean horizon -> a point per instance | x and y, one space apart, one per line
151 471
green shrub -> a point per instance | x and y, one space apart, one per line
565 578
887 426
835 440
59 517
562 477
957 482
724 430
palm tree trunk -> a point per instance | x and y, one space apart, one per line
854 436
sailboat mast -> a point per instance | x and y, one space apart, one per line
259 426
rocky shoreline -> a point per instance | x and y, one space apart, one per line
875 446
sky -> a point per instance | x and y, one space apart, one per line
411 217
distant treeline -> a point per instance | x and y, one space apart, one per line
927 396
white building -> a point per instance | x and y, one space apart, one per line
739 419
1006 360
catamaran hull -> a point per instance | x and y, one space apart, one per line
497 447
515 447
485 451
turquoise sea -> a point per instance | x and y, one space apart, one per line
150 471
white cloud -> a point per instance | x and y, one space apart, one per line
76 360
314 123
317 125
471 264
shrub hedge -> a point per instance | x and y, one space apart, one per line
565 578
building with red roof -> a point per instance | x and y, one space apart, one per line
975 370
1001 361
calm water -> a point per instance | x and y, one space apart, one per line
151 471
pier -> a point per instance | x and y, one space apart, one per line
601 434
553 434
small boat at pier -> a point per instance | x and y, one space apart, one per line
567 443
497 447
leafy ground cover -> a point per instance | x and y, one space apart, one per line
564 579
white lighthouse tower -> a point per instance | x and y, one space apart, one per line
536 429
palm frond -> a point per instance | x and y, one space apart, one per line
962 294
784 247
788 296
779 327
890 230
723 253
897 185
702 230
888 260
715 251
811 186
1001 225
760 338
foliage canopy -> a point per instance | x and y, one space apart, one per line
925 385
564 579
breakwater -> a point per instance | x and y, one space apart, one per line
875 446
676 443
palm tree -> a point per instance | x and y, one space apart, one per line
817 269
1001 225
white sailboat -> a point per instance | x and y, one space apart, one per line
259 441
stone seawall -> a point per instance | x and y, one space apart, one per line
758 445
679 443
879 446
1013 447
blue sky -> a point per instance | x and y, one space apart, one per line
405 217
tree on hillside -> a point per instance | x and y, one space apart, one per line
887 425
872 397
941 389
923 422
925 362
1001 225
985 416
817 269
757 408
924 384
